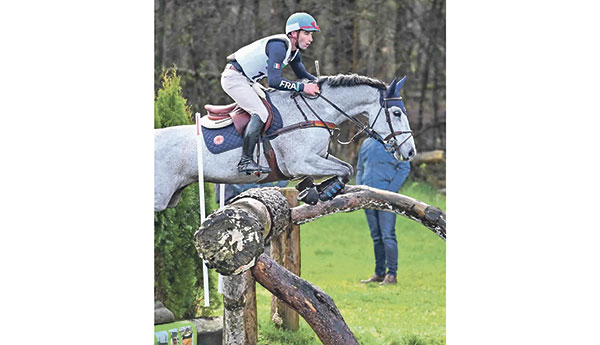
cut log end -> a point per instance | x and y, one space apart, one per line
276 204
229 240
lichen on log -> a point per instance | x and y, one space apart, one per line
230 239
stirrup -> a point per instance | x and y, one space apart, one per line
249 167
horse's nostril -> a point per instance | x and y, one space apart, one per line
411 153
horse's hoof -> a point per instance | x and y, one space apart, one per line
306 183
309 196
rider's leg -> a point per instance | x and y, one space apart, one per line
238 87
247 164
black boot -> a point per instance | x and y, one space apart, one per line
246 164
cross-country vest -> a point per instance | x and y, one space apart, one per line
253 57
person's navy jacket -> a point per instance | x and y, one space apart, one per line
378 168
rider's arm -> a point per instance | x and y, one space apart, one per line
299 69
276 52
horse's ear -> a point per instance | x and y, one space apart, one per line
392 88
400 85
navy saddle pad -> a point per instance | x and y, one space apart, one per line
227 138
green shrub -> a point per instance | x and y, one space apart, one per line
177 266
170 108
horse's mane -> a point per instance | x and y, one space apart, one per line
350 80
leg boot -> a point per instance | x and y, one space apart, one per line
251 134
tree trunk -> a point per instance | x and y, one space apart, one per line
436 156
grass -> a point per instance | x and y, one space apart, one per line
337 252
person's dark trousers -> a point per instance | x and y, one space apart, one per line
383 232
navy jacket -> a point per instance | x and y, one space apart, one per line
378 168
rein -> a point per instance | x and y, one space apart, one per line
362 127
331 127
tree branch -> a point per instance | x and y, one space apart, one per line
360 197
315 306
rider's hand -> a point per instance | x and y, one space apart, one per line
311 89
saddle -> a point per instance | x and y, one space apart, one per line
220 116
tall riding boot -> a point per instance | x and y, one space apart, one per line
246 164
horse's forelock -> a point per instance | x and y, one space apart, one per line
350 80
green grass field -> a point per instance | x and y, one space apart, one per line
337 252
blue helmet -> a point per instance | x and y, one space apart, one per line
301 21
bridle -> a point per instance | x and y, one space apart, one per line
389 147
383 101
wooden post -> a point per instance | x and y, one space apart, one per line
239 301
285 250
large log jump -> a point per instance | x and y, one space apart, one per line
231 240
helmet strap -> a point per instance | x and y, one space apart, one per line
294 38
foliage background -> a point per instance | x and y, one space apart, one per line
177 267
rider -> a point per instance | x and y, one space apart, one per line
265 58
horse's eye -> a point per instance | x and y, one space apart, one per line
397 113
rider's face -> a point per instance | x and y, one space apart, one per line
303 38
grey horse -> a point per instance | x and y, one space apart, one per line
300 153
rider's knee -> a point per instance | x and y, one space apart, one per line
263 114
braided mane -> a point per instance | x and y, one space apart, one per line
350 80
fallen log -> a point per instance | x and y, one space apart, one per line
435 156
230 239
315 306
360 197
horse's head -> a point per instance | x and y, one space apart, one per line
400 138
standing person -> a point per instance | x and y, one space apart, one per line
265 58
378 168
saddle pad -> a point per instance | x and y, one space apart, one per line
220 140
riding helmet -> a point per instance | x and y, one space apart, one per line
301 21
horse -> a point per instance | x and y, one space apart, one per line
300 153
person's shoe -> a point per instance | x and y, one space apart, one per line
389 279
246 164
374 279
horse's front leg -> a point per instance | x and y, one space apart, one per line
315 165
339 161
318 166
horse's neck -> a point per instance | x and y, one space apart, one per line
352 100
